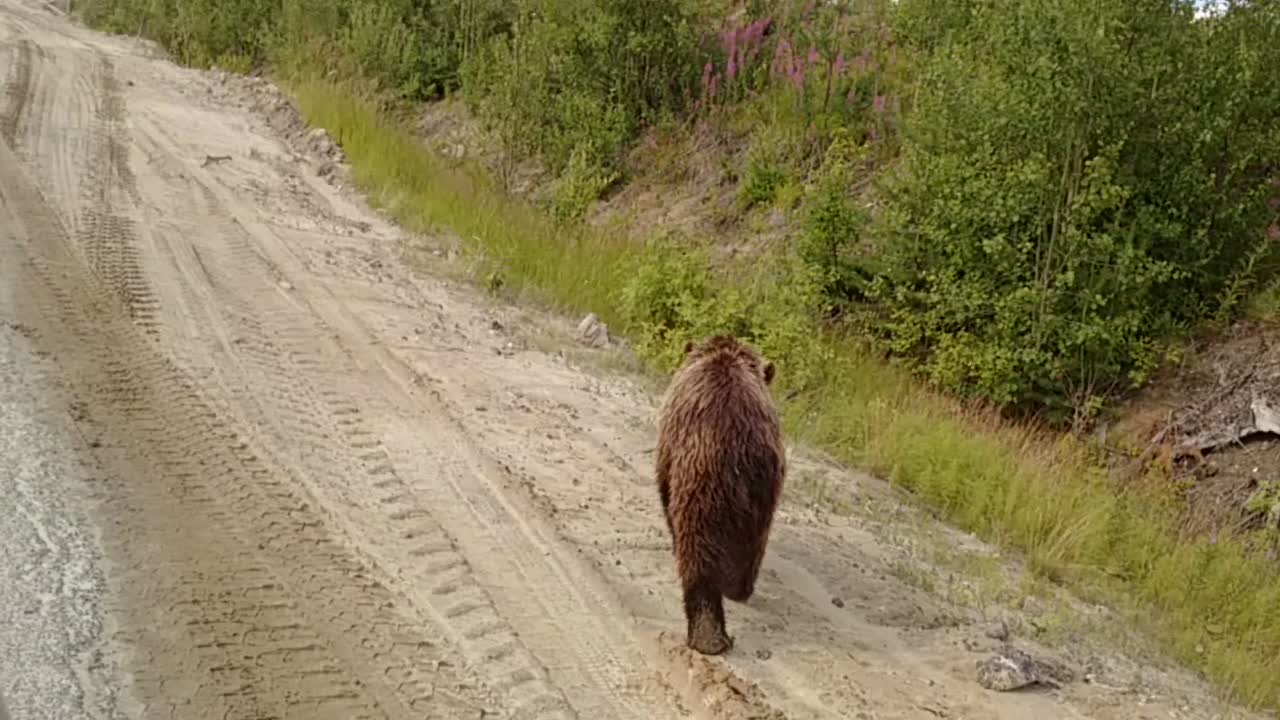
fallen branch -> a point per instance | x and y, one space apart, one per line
211 159
1265 421
1176 421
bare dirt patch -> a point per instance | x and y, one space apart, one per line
1200 422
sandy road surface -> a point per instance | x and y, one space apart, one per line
326 487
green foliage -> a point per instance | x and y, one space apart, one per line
834 224
764 176
671 297
383 40
583 78
1265 304
197 33
1061 212
410 47
579 185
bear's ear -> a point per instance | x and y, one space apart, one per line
688 347
769 372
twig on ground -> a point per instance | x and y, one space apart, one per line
211 159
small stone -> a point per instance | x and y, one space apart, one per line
764 654
286 285
1011 669
592 332
837 602
998 631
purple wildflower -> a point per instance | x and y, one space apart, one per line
781 59
732 70
729 39
863 61
797 75
840 64
879 103
814 56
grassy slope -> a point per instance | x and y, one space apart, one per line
1208 602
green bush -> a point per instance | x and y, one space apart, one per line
583 77
671 298
579 185
834 224
764 176
390 43
1079 184
199 33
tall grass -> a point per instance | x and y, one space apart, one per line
1210 603
424 192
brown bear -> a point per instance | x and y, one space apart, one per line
720 470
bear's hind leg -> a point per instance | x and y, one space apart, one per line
741 583
704 611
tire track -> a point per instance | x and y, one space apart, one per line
17 92
105 231
563 609
567 615
292 369
233 589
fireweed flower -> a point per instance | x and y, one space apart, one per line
781 59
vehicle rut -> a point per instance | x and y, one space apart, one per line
259 613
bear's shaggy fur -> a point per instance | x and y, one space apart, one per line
720 470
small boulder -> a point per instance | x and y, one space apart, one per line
592 332
1012 669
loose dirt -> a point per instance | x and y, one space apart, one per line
327 486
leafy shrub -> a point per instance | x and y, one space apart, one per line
1078 185
764 176
388 42
583 77
671 298
579 185
198 33
834 224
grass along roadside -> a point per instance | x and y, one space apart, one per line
1208 602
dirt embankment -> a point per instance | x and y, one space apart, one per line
326 486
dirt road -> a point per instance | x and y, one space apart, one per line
326 486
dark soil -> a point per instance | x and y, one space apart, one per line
1190 420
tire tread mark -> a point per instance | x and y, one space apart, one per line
106 234
17 92
295 626
274 345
